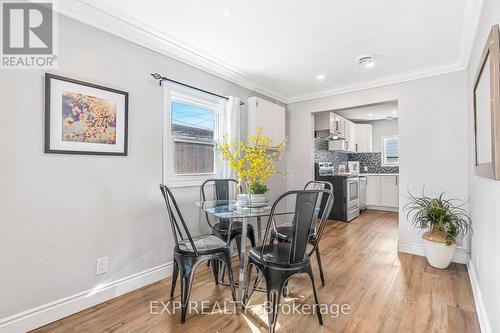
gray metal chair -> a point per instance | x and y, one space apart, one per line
190 251
283 233
277 262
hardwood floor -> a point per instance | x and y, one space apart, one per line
386 291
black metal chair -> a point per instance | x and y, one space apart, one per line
284 233
277 262
189 252
221 229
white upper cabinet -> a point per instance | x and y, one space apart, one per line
270 116
336 124
364 140
322 121
351 136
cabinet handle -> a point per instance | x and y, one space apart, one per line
356 145
396 180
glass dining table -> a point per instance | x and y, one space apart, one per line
229 209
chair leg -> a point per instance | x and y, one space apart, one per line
174 279
251 237
237 239
223 273
215 270
247 283
321 275
227 263
316 302
273 299
186 285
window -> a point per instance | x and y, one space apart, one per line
390 150
192 121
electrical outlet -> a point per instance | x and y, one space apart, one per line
101 265
365 168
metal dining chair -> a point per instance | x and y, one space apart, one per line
283 233
277 262
190 251
221 228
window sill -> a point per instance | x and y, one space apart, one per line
180 181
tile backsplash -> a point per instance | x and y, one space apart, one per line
371 160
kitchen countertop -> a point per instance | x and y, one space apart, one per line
360 174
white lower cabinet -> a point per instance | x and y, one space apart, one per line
382 191
389 191
373 190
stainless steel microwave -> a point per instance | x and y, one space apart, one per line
338 145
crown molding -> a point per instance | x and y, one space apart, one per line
470 23
154 40
159 42
393 79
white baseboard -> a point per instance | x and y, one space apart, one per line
478 299
383 208
460 256
50 312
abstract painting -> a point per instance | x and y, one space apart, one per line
84 118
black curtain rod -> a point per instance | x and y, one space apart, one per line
162 78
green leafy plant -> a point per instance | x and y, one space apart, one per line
439 215
257 188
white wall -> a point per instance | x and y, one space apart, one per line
382 128
58 213
432 131
484 200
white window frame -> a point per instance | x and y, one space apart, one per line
173 92
383 161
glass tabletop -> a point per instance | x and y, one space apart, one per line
227 209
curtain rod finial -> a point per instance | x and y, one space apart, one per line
156 76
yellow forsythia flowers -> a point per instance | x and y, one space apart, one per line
253 161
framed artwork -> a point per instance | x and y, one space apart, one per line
84 118
486 96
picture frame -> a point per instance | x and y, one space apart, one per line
84 118
486 99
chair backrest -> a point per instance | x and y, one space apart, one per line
318 185
304 217
221 188
179 227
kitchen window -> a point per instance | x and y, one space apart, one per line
192 122
390 150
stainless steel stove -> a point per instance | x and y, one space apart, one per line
326 169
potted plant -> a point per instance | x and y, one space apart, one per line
253 162
443 220
257 191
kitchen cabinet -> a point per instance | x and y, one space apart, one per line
382 191
336 124
351 136
270 116
373 190
389 191
364 139
322 121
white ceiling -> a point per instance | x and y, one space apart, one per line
371 112
278 47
